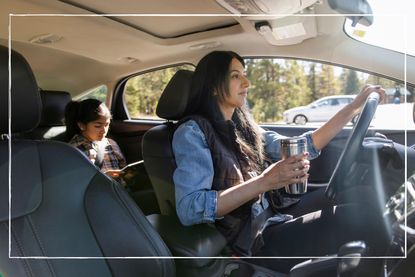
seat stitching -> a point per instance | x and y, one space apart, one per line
42 248
31 223
20 251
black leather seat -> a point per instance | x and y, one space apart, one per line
157 151
51 124
194 241
61 205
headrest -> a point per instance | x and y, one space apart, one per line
176 96
53 107
25 99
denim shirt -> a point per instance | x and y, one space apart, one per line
196 202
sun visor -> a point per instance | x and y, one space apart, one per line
288 30
269 7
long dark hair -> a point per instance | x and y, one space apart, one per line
84 112
210 84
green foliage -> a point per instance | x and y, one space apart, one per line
99 93
328 83
352 83
376 80
276 85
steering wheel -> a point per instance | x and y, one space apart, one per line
353 146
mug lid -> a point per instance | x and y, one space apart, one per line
294 140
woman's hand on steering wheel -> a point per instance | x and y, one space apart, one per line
371 96
360 99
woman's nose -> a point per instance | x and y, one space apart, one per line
246 83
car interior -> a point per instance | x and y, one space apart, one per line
51 125
61 216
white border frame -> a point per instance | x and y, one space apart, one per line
189 15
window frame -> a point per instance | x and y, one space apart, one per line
403 83
118 105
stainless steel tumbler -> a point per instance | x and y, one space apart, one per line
290 147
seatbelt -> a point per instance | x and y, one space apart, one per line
100 154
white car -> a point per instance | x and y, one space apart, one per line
320 110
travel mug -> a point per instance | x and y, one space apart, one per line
290 147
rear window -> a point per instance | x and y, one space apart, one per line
99 93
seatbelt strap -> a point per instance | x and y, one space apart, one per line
100 155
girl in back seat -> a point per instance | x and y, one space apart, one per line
87 123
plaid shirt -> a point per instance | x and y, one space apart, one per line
113 157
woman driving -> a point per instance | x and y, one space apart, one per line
226 164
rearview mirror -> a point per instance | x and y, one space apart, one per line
354 7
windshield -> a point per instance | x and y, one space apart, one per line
391 26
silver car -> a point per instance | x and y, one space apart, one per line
320 110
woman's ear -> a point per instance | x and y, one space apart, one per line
81 126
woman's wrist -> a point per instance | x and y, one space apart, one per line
265 183
351 110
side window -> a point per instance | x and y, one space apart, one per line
142 92
322 103
334 102
99 93
282 90
344 101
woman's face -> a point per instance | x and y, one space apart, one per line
95 130
238 88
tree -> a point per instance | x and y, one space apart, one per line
142 92
376 80
276 86
263 93
352 85
312 81
294 89
328 84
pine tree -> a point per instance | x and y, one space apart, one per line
352 85
312 81
327 81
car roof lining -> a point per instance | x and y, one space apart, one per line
163 30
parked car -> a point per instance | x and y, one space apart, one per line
60 216
320 110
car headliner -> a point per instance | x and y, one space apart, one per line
97 50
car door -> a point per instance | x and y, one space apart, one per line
319 111
332 108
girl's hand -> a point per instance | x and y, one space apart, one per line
115 173
291 170
360 99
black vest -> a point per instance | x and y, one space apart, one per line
229 170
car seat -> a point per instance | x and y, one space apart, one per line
62 207
156 146
194 241
51 124
202 240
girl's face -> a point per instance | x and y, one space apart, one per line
95 130
238 88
